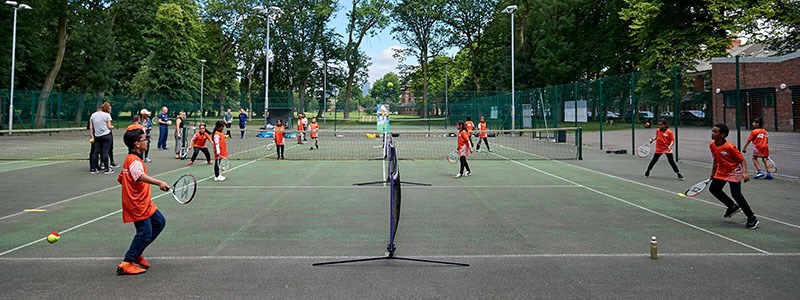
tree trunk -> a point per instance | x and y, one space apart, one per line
47 87
347 90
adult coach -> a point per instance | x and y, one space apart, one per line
242 120
163 128
100 130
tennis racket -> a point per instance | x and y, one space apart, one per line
183 152
643 150
697 188
271 145
453 157
224 164
184 188
771 165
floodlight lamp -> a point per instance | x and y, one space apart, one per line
258 8
718 90
12 3
510 9
203 61
24 6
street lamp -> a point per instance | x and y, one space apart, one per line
202 65
271 13
16 6
510 10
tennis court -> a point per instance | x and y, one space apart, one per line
529 226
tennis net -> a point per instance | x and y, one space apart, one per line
529 144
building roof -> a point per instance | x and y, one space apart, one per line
756 59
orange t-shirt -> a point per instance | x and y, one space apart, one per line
469 126
463 143
134 126
299 125
482 128
136 202
199 140
314 130
220 145
664 140
278 133
760 139
728 160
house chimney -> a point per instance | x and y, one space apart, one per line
736 43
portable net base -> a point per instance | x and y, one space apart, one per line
533 144
394 216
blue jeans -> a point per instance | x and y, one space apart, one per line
162 136
147 231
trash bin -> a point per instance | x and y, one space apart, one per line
561 136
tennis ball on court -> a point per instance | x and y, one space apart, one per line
390 85
53 237
682 194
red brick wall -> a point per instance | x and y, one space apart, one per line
757 75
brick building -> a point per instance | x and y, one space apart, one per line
769 89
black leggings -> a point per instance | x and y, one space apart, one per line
205 151
216 167
279 149
464 165
485 141
669 159
736 191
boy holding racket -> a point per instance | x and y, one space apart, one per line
482 135
220 148
760 139
664 140
464 149
137 204
729 167
314 133
278 136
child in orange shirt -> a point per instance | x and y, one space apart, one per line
729 167
469 126
760 139
482 135
278 136
464 149
314 133
137 204
300 129
664 140
220 148
199 143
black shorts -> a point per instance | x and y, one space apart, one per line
228 125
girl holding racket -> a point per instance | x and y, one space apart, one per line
137 204
220 148
198 142
314 127
278 136
760 139
664 140
729 167
464 149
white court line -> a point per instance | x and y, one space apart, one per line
31 166
714 203
478 256
106 215
242 187
638 206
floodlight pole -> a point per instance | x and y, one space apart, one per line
510 10
269 13
202 66
446 100
16 6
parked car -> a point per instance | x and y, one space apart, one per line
644 115
692 116
666 115
610 115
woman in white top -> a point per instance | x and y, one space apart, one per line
100 131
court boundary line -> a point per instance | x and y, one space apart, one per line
476 256
362 187
112 213
640 207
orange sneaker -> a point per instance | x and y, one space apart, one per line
126 268
143 262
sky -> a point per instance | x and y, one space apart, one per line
378 48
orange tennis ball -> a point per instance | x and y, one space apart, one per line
53 237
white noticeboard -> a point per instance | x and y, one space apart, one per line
493 114
569 111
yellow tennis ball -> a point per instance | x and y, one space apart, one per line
390 85
53 237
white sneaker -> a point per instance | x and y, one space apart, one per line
479 150
458 175
468 173
219 178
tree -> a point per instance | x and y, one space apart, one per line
366 18
418 25
467 20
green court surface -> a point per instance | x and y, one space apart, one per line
567 229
